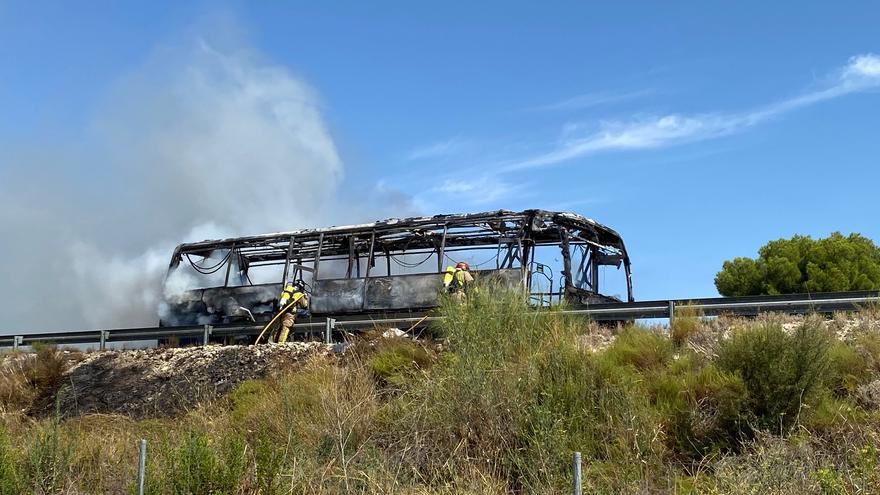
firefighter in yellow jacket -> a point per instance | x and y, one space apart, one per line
294 296
458 280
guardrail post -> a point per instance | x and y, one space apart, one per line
142 465
328 330
16 342
576 476
671 312
103 342
207 334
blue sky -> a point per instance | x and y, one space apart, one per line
699 131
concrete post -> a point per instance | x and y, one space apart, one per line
328 330
576 478
142 465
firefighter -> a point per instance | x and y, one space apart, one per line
458 280
293 295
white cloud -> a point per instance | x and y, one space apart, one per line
482 191
633 135
863 66
450 186
436 150
592 100
861 73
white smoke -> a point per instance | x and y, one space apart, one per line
111 290
198 143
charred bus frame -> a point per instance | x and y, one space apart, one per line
343 265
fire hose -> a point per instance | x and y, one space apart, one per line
283 310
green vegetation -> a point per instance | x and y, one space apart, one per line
723 406
394 362
781 371
802 264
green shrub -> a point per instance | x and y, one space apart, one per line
48 456
704 409
780 371
829 413
868 346
11 482
198 465
642 348
847 369
466 411
248 397
831 482
194 465
494 327
268 460
575 401
865 465
234 463
686 323
395 361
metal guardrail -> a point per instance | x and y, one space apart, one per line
827 302
824 302
201 332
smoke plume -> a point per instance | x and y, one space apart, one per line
197 143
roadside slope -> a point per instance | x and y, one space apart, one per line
163 382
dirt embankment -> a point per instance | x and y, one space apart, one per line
162 382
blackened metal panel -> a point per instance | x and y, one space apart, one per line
219 305
182 309
227 301
344 295
404 291
579 298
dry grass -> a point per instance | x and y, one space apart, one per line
27 378
685 324
16 391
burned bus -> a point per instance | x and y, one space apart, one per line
395 266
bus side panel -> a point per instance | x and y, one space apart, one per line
338 296
404 291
